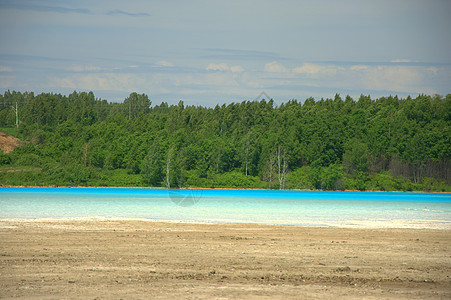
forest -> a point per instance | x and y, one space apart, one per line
385 144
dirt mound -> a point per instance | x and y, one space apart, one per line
8 142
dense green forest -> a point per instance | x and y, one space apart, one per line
332 144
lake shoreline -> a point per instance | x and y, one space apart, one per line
368 224
203 188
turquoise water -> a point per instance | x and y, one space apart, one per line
346 209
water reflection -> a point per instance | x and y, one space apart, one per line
185 197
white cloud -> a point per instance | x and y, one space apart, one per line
302 81
151 83
308 68
275 67
100 81
5 69
396 78
401 61
358 67
433 70
363 78
217 67
164 63
317 69
222 67
94 69
84 68
236 69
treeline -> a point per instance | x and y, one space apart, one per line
331 144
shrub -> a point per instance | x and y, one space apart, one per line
236 179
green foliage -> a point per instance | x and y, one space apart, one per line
10 130
331 144
4 159
235 179
123 178
301 178
28 159
332 178
383 181
193 178
355 157
356 183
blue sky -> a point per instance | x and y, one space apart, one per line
215 52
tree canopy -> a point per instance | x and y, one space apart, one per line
333 144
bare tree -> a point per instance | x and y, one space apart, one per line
282 166
168 168
16 109
269 170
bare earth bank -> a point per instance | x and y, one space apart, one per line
140 260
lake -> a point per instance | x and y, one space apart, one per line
304 208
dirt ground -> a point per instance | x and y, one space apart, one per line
8 142
142 260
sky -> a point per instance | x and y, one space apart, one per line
215 52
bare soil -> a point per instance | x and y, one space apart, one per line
68 259
8 143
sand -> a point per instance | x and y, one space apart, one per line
113 259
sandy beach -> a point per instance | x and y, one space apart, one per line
113 259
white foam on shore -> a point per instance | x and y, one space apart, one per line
411 224
358 224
